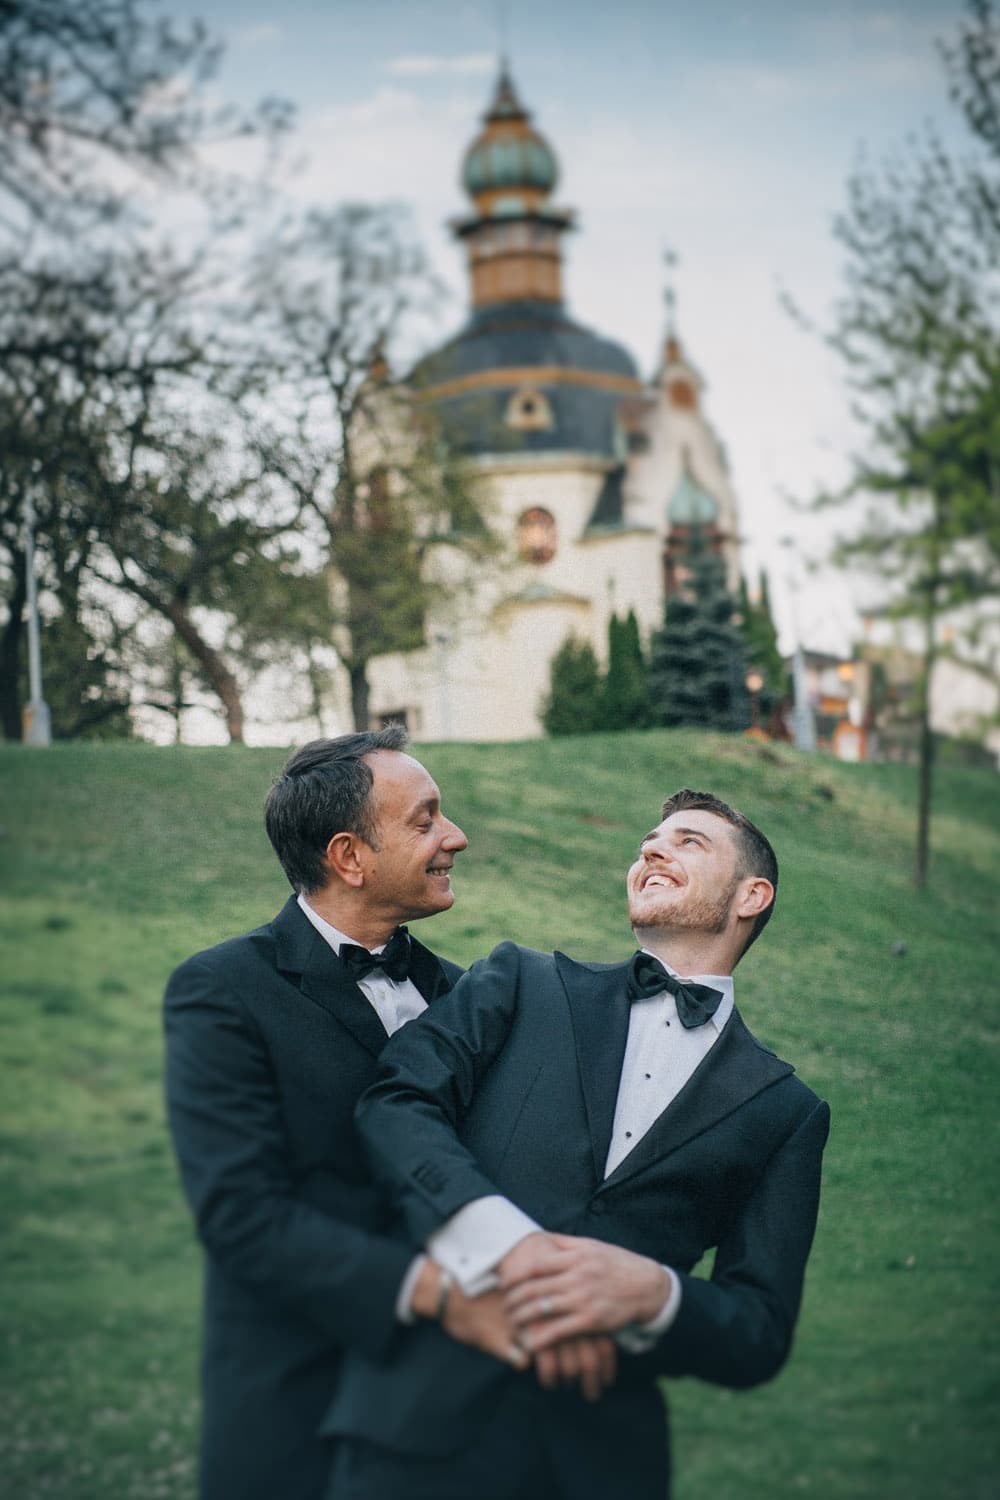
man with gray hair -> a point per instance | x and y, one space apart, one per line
271 1039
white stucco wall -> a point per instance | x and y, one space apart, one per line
486 667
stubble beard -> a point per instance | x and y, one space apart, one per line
706 914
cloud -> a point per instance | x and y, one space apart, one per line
256 36
383 109
425 65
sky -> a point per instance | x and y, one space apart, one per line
722 130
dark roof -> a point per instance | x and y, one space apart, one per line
584 420
522 333
609 507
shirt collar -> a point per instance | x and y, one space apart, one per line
327 931
723 982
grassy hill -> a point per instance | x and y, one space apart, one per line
118 861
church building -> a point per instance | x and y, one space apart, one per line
594 475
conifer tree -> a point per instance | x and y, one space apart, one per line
697 659
761 638
574 701
625 698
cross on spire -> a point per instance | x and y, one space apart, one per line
670 261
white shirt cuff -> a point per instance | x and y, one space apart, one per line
404 1297
473 1242
639 1338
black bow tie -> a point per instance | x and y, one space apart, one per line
394 960
696 1003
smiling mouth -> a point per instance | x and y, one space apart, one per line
444 870
667 881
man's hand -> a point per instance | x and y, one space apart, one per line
591 1363
558 1287
483 1323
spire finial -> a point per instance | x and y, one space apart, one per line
670 261
503 33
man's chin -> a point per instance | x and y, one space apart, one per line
646 916
439 901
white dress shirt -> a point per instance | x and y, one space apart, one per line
395 1002
660 1057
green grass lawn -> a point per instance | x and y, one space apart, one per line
118 861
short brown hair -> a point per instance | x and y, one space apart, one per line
754 854
323 789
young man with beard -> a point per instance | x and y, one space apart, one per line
628 1110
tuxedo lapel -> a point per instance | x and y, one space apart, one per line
304 954
426 971
735 1069
599 1006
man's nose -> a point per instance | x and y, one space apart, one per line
657 852
454 837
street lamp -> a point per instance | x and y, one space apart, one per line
36 725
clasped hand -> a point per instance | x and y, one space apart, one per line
559 1286
588 1361
560 1297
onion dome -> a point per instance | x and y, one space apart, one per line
509 167
521 376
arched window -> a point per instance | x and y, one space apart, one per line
536 535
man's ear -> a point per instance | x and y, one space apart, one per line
755 897
343 859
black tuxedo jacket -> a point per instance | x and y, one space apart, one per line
509 1085
269 1045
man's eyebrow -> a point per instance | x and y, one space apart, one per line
425 805
697 832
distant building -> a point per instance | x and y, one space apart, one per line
595 476
867 708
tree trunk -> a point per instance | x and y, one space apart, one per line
926 755
313 673
358 673
176 693
10 652
218 676
220 679
924 798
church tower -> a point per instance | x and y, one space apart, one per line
521 378
593 477
513 238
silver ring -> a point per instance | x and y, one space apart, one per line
546 1307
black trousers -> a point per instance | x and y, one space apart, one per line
537 1445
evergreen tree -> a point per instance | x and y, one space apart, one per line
625 697
574 701
697 660
761 640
